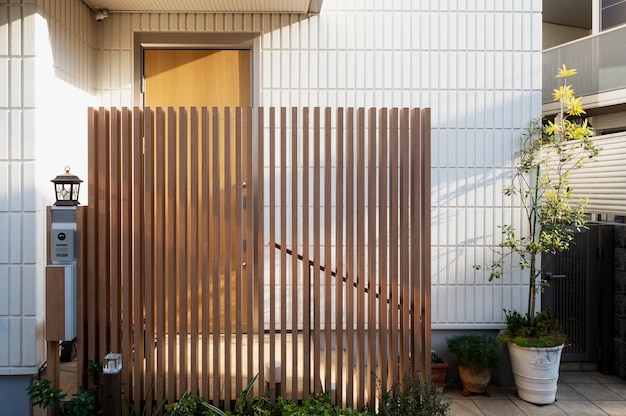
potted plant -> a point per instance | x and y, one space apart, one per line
549 154
438 369
476 355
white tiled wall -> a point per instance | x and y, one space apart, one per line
46 74
477 64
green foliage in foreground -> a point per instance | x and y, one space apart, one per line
411 397
544 331
84 403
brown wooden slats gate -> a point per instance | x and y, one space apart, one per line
218 241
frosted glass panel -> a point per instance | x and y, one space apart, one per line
599 59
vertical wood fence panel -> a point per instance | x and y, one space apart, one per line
221 243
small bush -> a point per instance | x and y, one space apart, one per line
413 397
84 403
190 405
475 352
317 404
544 331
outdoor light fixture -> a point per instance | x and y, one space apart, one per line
66 188
112 363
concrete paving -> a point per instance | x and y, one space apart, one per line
579 393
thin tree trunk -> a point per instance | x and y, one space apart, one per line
533 283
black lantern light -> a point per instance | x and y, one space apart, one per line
66 188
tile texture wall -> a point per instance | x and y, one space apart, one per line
44 57
477 64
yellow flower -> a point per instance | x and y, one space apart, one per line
552 128
564 72
564 92
574 107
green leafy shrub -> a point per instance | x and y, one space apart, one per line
544 331
475 352
317 404
191 405
413 397
84 403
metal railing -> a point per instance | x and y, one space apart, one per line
600 60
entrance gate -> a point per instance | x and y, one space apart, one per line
306 263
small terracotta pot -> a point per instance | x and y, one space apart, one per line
474 383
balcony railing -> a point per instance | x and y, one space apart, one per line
600 60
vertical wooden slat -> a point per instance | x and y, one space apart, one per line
328 224
171 243
295 303
238 236
158 239
251 203
205 221
425 230
384 305
228 243
416 249
283 242
182 249
393 245
372 282
82 254
138 254
259 265
215 250
150 226
271 206
126 289
193 246
339 254
103 221
306 269
350 268
316 251
360 255
91 237
171 259
404 241
113 206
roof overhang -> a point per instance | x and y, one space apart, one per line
207 6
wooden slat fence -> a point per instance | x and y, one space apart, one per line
218 241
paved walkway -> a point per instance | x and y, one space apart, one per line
579 394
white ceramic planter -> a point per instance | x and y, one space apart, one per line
536 372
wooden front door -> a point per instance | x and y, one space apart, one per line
206 78
197 77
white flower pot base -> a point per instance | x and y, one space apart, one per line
536 372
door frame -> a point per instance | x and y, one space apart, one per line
218 41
